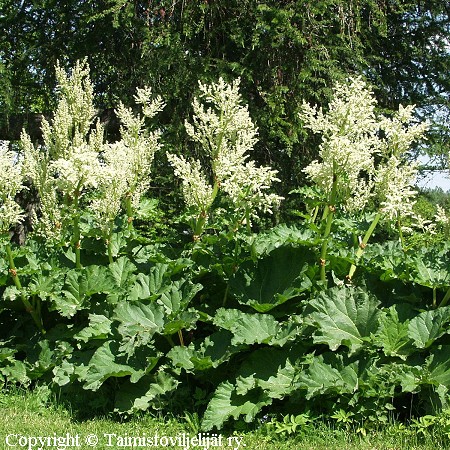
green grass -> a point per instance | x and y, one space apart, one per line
29 414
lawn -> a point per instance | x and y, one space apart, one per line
35 420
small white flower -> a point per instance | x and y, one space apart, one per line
137 145
150 105
82 170
394 189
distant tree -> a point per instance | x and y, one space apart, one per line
284 51
409 63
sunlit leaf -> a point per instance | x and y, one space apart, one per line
428 326
344 316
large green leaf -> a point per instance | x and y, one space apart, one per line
279 236
439 365
15 372
178 295
152 285
209 353
388 258
99 328
431 269
97 279
409 377
428 326
46 285
73 298
157 278
330 373
122 272
344 316
141 289
392 336
271 369
189 359
256 328
79 286
184 320
226 403
103 365
41 357
272 280
140 396
63 373
117 242
138 323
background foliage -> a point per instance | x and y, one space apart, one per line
284 52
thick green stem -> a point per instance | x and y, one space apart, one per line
328 215
225 295
35 314
247 221
129 209
233 270
323 252
77 241
110 256
400 233
314 214
199 224
201 219
76 230
363 244
107 236
180 337
170 340
446 298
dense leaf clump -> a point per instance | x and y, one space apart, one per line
219 320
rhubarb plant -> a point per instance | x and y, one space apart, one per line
237 322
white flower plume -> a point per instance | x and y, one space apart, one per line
358 148
10 184
226 133
196 190
74 158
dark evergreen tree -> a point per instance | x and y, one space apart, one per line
284 51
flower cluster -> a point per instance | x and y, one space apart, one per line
127 164
138 146
394 182
441 218
10 184
74 114
36 169
363 152
349 142
197 191
74 158
226 133
68 161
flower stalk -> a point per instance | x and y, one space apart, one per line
363 245
108 247
446 298
328 215
76 232
129 211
